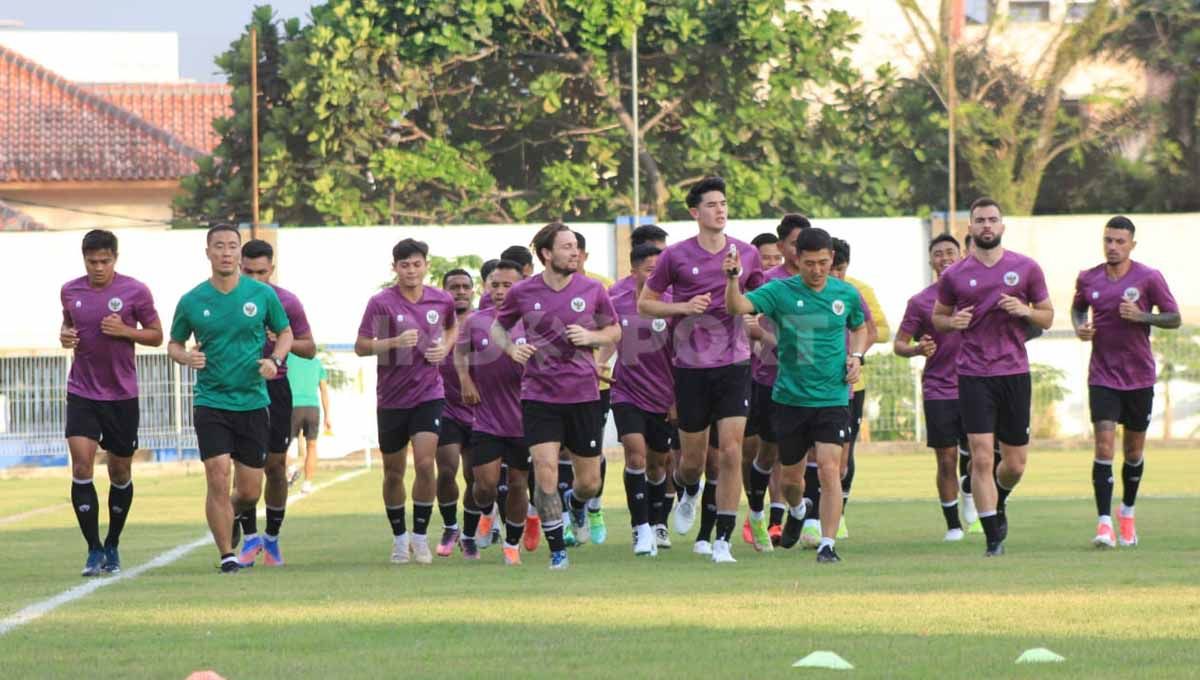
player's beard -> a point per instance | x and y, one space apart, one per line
562 270
987 245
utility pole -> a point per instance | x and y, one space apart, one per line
951 104
637 134
253 132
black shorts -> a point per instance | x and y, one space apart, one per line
306 420
241 434
996 405
398 425
856 414
112 424
575 426
488 448
758 422
943 425
453 432
652 426
1130 408
800 427
605 407
706 395
280 435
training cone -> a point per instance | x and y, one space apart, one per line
1040 655
824 660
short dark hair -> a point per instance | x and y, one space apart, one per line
790 223
983 202
518 254
763 239
1118 222
507 265
841 252
216 228
944 238
99 239
409 247
814 239
487 268
640 252
544 239
647 233
703 187
581 241
258 248
456 272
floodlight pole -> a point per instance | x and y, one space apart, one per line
637 133
951 104
253 132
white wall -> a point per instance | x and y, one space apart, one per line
100 56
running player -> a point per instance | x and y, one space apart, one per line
939 382
816 367
767 245
491 385
411 328
643 395
647 233
1122 295
989 297
258 263
597 529
104 315
712 355
565 317
229 315
457 418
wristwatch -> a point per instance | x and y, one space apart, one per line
278 362
862 359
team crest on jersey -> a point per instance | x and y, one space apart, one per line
658 325
578 304
1132 294
1011 278
250 309
432 316
116 304
839 307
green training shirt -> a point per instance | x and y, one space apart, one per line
305 376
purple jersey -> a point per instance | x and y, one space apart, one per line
104 368
559 372
299 323
994 343
623 286
940 377
496 377
1121 356
643 375
764 364
714 338
404 378
454 408
485 302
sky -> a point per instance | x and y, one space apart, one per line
205 27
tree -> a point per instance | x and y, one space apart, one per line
1014 124
518 110
1178 355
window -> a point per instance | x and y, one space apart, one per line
1029 11
978 11
1078 11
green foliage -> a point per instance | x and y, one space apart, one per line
1049 388
1178 353
438 266
337 377
892 385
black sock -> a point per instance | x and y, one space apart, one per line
87 511
119 501
635 497
566 480
692 490
668 503
1102 487
950 512
248 518
603 475
1001 498
421 514
274 521
470 522
725 524
577 504
964 470
1131 478
502 494
396 519
656 497
777 513
812 491
991 527
708 511
513 532
759 480
554 535
449 514
848 480
746 467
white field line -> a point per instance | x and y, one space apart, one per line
39 609
21 517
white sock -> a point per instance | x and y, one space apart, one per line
1126 510
593 505
1106 519
756 516
799 511
825 542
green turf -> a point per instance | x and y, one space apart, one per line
902 604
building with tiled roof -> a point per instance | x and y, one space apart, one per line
79 155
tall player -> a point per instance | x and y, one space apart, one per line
258 263
989 297
457 419
712 355
565 316
1122 295
104 315
411 329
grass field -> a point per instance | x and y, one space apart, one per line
901 605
